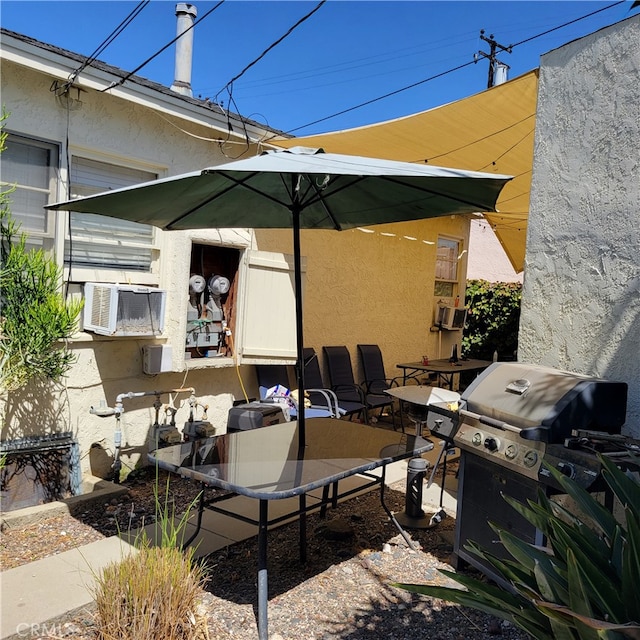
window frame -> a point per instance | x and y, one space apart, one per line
45 239
454 262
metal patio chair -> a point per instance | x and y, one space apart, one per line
324 403
343 383
313 378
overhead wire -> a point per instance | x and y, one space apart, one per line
229 86
444 73
271 46
155 55
109 39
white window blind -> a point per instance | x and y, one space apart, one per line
103 242
30 167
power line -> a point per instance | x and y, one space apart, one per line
155 55
386 95
444 73
229 85
109 39
566 24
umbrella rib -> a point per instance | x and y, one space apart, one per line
236 182
478 207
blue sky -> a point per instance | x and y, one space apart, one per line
345 54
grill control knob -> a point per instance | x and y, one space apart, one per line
566 469
476 438
492 444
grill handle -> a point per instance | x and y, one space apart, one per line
492 422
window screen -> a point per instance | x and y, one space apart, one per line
446 267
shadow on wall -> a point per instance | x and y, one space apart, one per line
39 409
620 337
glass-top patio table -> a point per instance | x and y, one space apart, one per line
268 464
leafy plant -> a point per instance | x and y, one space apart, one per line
582 586
34 316
153 593
493 319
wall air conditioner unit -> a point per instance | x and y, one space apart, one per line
450 317
123 310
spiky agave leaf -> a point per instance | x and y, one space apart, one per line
628 629
599 576
489 599
631 565
601 517
548 590
589 571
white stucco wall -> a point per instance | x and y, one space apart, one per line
581 295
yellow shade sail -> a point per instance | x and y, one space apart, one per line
492 131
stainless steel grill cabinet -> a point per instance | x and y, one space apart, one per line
511 418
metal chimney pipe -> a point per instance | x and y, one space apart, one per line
186 14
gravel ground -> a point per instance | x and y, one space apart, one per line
342 591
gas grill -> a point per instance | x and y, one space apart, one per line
513 417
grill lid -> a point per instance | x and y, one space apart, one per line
543 403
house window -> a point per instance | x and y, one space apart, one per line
100 242
30 166
446 277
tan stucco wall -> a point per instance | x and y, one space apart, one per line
371 288
360 287
581 296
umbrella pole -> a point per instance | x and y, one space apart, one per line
295 210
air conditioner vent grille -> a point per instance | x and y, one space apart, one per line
123 310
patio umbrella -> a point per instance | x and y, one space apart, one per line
298 188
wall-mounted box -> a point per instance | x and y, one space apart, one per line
123 310
156 358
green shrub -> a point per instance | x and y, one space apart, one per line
582 586
492 320
34 316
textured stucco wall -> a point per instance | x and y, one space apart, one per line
581 296
374 288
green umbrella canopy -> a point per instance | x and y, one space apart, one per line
329 191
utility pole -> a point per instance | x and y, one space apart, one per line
491 56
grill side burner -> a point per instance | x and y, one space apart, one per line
513 417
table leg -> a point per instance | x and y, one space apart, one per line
263 585
194 535
303 528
